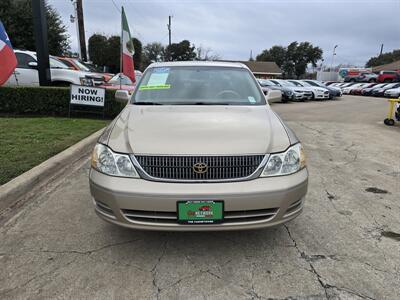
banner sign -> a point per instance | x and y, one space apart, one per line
84 95
344 72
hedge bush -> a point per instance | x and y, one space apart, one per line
48 101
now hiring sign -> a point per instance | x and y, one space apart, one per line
83 95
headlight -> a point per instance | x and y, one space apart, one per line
288 162
106 161
86 81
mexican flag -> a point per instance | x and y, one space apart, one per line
127 50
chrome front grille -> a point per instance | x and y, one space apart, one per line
170 217
181 168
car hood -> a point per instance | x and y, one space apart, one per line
332 88
368 89
198 130
285 89
300 88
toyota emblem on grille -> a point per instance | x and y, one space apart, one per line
200 168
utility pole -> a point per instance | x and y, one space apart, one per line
169 30
42 49
381 50
75 19
81 29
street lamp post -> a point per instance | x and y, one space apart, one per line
333 56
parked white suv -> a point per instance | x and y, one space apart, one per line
26 73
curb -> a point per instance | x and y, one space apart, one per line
13 190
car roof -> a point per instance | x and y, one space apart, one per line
25 51
198 64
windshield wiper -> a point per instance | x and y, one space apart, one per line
206 103
147 103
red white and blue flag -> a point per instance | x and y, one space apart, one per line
8 61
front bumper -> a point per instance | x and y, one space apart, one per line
377 94
144 204
288 97
391 95
321 95
298 96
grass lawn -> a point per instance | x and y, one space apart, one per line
26 142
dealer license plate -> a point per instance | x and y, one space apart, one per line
200 212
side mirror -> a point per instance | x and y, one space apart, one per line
122 96
33 64
274 96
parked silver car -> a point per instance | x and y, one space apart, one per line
198 148
300 93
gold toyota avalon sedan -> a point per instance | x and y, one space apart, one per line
198 147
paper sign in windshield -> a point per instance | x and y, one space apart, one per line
251 99
158 77
154 87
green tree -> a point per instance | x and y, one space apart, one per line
180 51
106 52
294 58
276 54
137 57
113 54
97 45
16 16
152 52
385 58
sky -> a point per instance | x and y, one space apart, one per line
233 28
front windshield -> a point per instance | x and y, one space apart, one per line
311 83
264 82
196 85
303 83
286 83
296 83
56 64
81 66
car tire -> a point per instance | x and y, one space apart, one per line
387 80
388 122
352 80
372 80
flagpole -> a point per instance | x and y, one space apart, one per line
120 54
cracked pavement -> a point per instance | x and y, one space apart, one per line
345 245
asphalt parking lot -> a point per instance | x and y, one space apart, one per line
345 245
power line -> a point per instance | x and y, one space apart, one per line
133 29
116 6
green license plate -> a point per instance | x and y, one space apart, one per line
200 212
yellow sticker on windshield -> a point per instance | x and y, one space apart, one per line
154 87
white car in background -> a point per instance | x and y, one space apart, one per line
26 73
392 93
348 89
299 93
317 92
333 90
